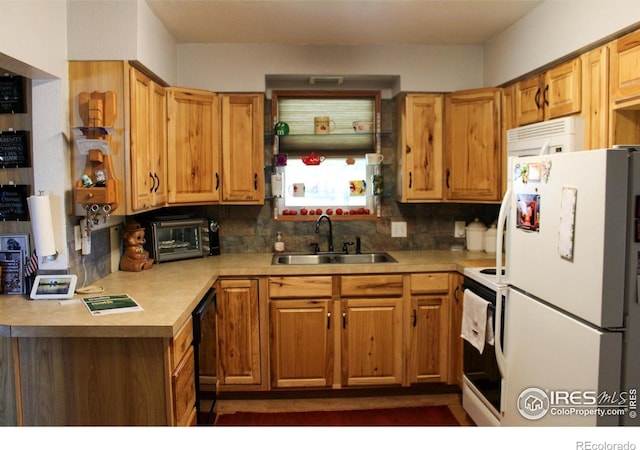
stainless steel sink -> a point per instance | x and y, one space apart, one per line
365 258
331 258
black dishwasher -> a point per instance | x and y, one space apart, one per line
204 311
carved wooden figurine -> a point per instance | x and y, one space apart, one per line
135 257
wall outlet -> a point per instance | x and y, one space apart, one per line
459 229
398 229
77 235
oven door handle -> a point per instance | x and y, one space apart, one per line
502 290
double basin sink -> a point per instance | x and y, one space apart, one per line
331 258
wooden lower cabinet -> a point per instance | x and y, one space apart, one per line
238 332
359 330
301 331
429 347
301 343
372 341
94 381
456 344
371 338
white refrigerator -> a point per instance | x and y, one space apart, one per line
571 353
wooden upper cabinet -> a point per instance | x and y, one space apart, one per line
551 94
625 63
473 156
193 146
419 150
243 148
148 143
595 97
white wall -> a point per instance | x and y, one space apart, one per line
33 43
123 30
555 29
240 67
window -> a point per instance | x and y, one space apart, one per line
340 183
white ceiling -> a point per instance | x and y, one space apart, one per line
338 22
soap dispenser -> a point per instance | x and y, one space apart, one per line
279 245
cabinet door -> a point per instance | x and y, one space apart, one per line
372 341
529 97
193 149
301 343
455 345
563 90
238 332
625 67
419 151
595 97
243 148
429 339
158 141
141 177
472 141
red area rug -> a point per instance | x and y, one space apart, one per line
414 416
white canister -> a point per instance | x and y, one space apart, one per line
490 239
475 236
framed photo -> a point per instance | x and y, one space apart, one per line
48 287
15 242
12 262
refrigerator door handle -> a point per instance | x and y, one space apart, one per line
502 218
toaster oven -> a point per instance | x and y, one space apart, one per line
172 239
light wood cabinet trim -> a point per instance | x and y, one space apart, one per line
429 283
182 342
371 285
300 287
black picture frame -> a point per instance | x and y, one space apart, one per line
14 149
13 202
12 98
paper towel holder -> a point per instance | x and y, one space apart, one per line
54 256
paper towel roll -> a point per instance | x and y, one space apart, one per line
42 225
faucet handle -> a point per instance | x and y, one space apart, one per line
315 246
345 247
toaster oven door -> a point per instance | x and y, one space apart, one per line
175 240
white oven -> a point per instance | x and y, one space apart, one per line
482 387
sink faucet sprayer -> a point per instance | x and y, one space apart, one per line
330 237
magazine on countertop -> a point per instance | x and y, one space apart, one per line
111 304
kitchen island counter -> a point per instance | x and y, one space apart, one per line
169 292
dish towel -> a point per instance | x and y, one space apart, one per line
474 320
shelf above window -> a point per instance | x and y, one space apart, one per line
305 143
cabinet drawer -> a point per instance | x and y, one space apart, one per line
370 285
184 388
429 283
181 342
300 287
